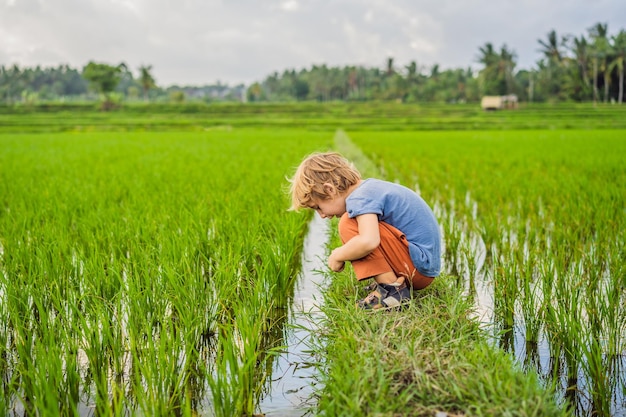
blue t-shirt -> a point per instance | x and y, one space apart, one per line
405 210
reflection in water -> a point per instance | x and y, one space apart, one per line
292 375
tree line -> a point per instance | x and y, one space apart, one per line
588 67
571 68
109 84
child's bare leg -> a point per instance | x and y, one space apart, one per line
387 278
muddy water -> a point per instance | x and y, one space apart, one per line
293 379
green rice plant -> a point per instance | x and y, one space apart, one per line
243 359
136 250
222 383
601 327
505 292
550 210
159 373
21 346
595 364
531 300
98 342
49 371
474 252
527 254
5 370
613 310
453 232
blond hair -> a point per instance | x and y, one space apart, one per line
318 169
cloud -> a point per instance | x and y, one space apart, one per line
289 5
201 41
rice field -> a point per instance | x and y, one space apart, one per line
145 274
148 263
328 116
535 221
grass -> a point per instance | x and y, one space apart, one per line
421 361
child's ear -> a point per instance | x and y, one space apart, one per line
330 189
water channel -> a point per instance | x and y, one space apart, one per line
293 378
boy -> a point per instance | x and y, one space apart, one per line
388 232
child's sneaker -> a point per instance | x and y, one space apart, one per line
387 296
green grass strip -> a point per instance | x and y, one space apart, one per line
426 359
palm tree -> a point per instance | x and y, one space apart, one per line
146 80
606 70
619 49
390 70
553 50
497 76
489 74
506 64
600 47
488 55
411 71
581 52
413 80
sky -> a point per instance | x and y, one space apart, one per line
198 42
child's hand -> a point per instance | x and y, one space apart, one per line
335 265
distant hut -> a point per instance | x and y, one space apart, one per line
499 102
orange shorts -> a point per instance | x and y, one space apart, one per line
391 255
